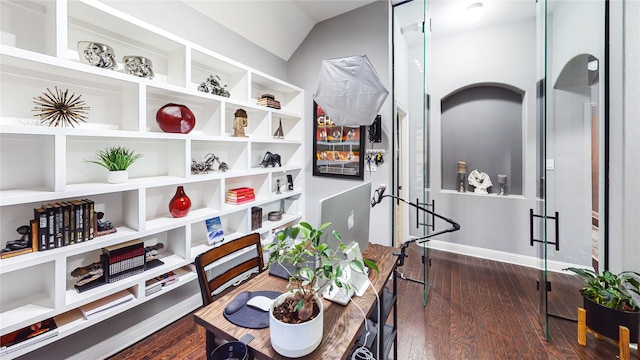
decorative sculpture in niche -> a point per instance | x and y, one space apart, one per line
502 181
153 252
462 173
270 159
103 227
175 118
60 109
240 122
138 66
480 181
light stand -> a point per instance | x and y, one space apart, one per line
378 195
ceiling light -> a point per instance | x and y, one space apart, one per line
475 11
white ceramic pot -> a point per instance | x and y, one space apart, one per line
295 340
118 177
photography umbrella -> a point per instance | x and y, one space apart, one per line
349 90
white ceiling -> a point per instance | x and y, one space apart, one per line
279 26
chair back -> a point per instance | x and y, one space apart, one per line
210 284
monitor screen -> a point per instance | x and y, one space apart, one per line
348 212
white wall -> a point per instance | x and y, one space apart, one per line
362 31
182 20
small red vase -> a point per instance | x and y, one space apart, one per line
180 205
175 118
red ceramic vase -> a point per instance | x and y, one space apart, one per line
180 205
175 118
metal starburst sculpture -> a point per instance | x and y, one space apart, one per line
60 108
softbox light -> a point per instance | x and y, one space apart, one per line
349 91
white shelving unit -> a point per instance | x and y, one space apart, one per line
41 164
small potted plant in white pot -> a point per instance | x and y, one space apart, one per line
295 318
117 160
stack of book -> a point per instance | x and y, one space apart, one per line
269 100
64 223
240 195
152 286
100 306
123 260
167 278
28 335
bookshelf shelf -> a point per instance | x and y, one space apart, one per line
122 112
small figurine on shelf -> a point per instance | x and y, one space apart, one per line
104 227
240 122
153 252
20 244
270 159
89 276
207 165
212 86
279 134
278 187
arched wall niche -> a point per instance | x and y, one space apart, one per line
482 125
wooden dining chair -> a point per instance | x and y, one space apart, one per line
214 279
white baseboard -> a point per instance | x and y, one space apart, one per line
510 258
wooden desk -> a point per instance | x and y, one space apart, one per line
342 324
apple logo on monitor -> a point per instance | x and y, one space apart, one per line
351 220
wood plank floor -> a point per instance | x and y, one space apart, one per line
476 309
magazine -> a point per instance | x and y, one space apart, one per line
28 335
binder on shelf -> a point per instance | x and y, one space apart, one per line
96 308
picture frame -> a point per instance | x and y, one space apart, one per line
338 151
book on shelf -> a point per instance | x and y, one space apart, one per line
168 278
98 307
215 233
51 226
79 214
40 215
59 225
89 219
256 217
152 286
72 221
28 335
123 260
66 225
240 191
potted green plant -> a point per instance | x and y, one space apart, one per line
609 301
316 267
117 160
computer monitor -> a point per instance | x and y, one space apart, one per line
348 212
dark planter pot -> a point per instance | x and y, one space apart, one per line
605 321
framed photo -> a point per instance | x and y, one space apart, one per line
338 151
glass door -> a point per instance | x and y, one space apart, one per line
571 157
410 142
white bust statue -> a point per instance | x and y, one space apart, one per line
480 181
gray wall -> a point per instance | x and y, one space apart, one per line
362 31
624 205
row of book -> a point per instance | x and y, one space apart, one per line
157 283
240 195
123 260
28 335
64 223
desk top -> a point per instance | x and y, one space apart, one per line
342 324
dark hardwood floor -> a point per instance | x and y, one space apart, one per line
476 309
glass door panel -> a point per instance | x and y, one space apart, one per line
573 120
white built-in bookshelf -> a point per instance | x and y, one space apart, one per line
41 164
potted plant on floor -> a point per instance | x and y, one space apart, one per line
610 301
117 160
295 318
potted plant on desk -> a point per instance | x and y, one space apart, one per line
608 300
296 317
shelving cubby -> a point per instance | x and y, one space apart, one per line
40 164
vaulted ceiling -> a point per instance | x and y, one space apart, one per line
279 26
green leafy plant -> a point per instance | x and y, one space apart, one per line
303 253
614 291
115 158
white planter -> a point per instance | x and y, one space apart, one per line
295 340
118 177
